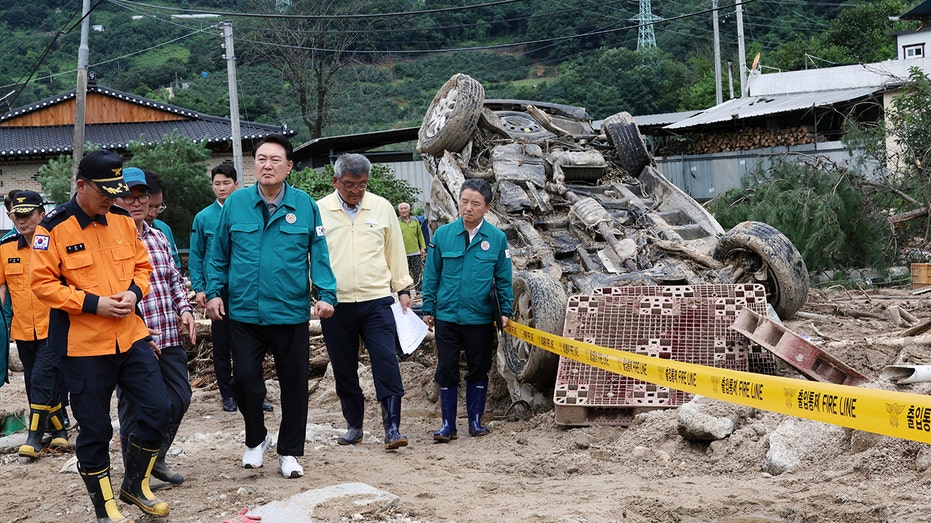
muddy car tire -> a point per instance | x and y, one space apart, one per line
522 126
539 302
751 247
452 116
625 137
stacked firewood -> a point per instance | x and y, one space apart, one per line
739 140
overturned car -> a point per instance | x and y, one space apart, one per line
584 208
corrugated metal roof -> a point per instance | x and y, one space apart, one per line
649 120
921 12
755 106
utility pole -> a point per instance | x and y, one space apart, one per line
718 96
741 50
230 56
80 96
730 78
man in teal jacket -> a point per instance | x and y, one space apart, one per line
259 259
223 183
466 288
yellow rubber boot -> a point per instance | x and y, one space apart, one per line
135 487
38 417
56 426
101 493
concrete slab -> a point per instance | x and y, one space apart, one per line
12 442
345 499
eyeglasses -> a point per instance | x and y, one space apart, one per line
353 186
161 208
143 198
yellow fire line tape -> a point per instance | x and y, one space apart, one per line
891 413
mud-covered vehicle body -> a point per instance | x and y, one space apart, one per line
584 208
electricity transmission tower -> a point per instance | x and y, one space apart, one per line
645 20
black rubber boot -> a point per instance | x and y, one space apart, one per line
391 417
161 470
56 425
353 411
101 493
476 391
449 397
38 418
135 488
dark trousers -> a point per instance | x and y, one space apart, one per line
173 367
45 383
415 267
289 345
477 341
374 323
221 337
92 379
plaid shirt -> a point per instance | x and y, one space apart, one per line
167 299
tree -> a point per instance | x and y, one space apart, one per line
859 34
898 149
55 179
864 30
851 216
182 165
309 52
381 182
826 210
613 80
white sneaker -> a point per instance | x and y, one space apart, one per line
289 466
252 458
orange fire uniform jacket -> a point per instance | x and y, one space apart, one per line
30 318
77 259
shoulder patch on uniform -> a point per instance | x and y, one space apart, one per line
11 238
430 244
40 242
320 231
55 216
507 253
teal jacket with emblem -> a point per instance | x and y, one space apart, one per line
457 279
202 232
261 263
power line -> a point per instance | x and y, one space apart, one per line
319 17
41 59
431 28
70 71
483 47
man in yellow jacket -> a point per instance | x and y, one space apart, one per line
369 260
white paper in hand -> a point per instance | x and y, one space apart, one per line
411 328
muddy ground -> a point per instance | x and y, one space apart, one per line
529 468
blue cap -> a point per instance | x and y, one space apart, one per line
134 176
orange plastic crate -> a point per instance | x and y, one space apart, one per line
921 275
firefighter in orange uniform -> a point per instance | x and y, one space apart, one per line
30 327
90 267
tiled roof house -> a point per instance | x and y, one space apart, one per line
32 135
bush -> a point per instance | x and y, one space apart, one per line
182 165
381 182
826 212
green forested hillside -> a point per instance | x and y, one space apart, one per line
378 63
